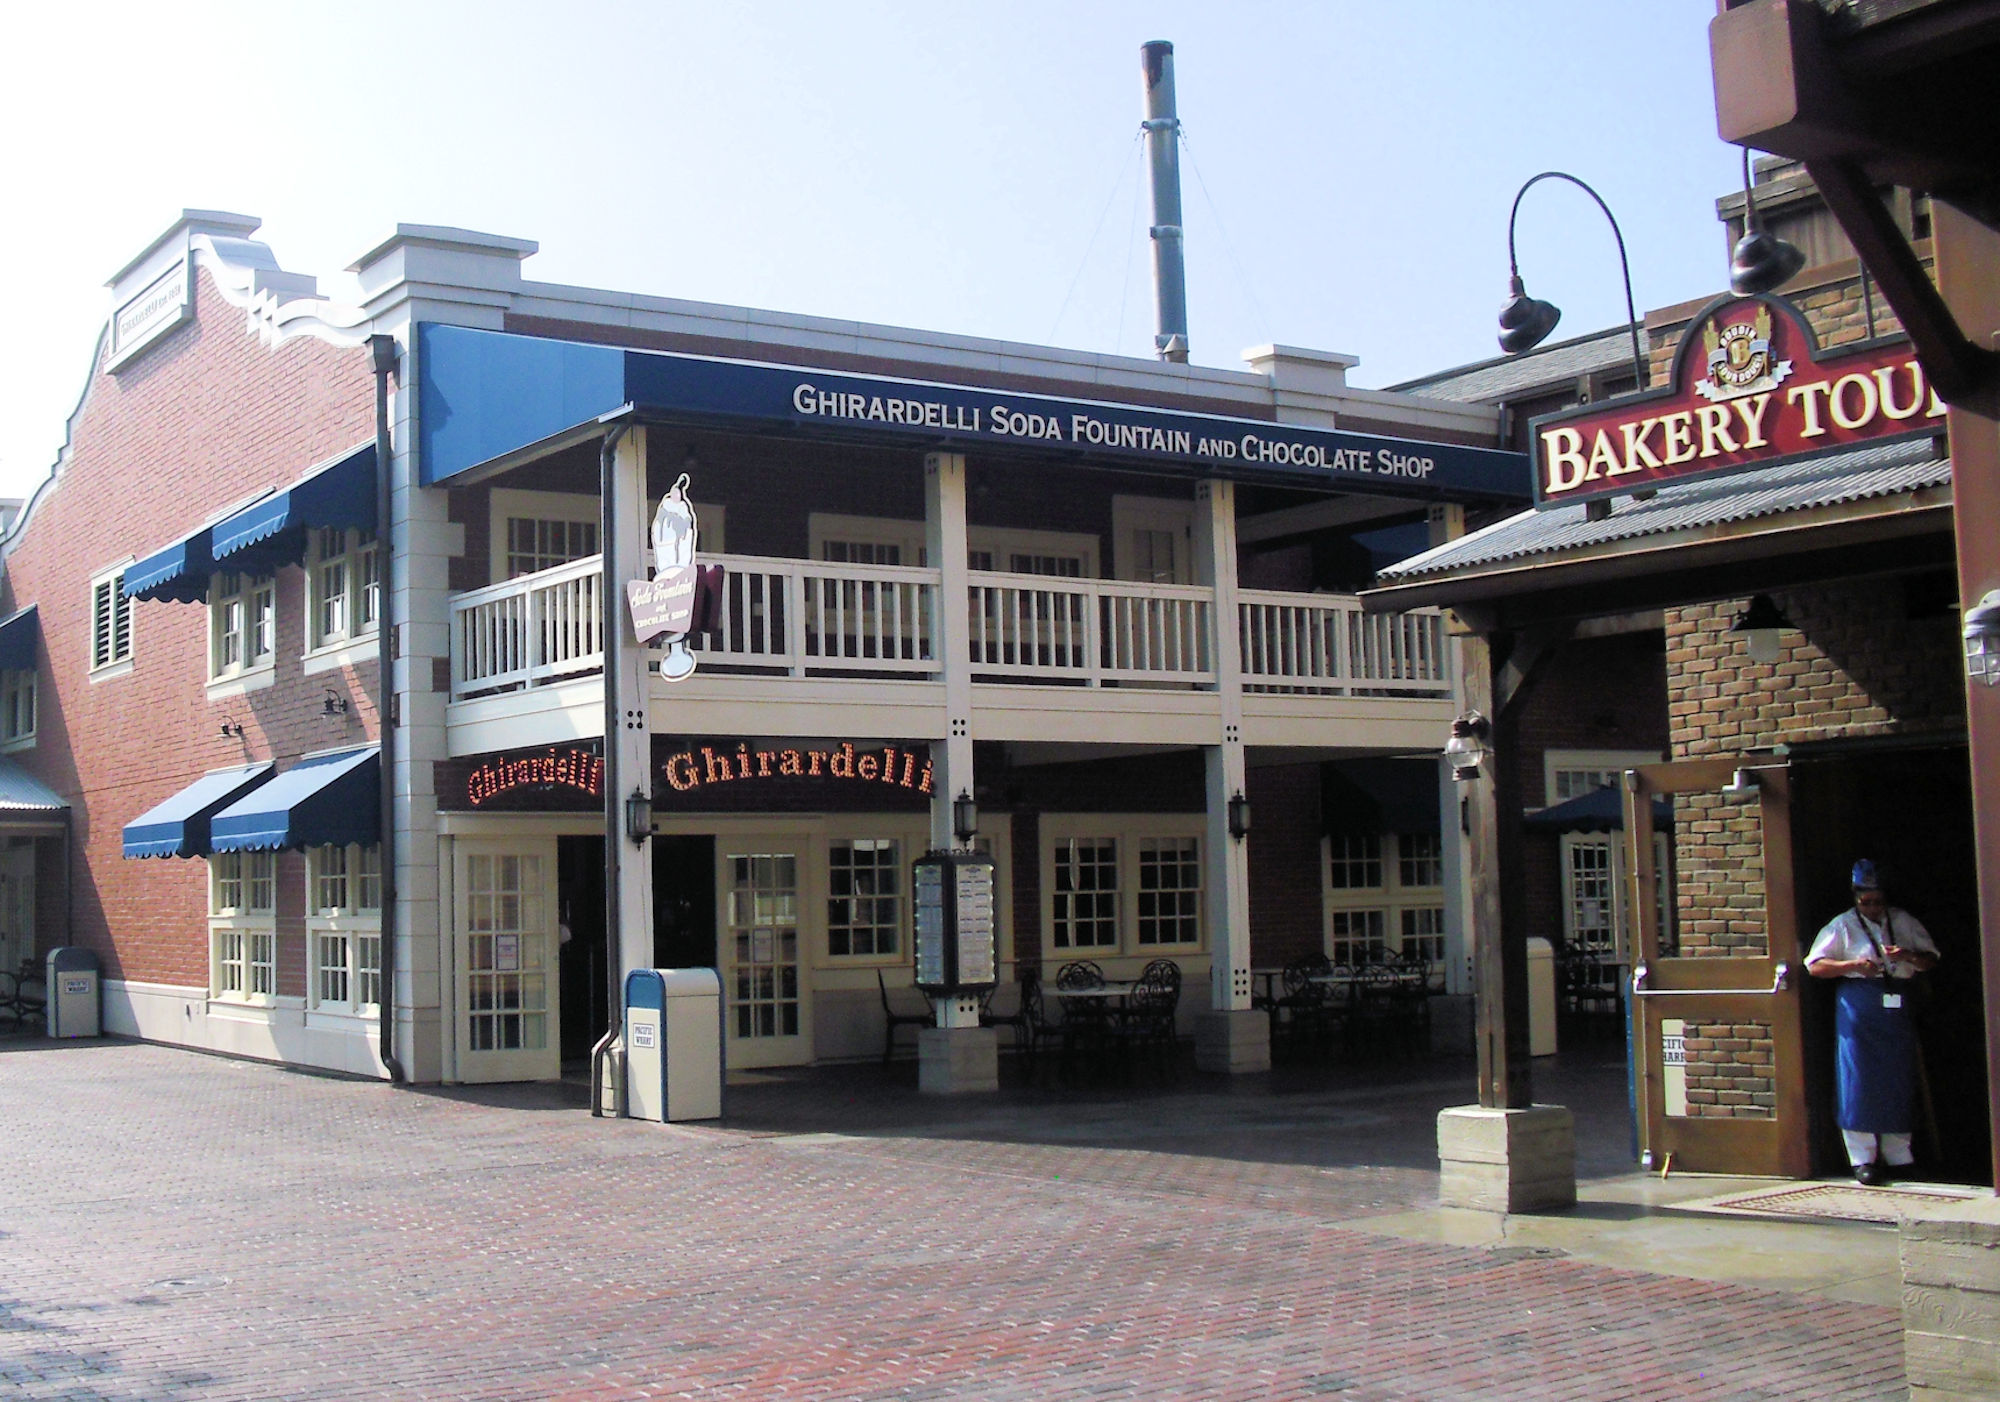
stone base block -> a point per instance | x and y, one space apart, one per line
1951 1301
1233 1042
957 1060
1507 1160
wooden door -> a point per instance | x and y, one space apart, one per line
1716 1002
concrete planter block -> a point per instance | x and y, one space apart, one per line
1951 1301
957 1060
1507 1160
1234 1043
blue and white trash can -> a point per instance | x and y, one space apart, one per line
673 1044
72 993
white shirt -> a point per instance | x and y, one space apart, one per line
1846 937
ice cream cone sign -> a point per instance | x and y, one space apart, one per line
665 604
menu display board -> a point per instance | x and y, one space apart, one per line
955 922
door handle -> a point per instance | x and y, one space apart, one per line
1781 980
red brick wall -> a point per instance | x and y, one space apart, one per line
201 421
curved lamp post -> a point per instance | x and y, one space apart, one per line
1762 262
1525 321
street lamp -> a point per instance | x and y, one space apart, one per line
1759 625
1468 746
1762 262
1525 321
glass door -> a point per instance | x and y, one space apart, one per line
769 1014
505 937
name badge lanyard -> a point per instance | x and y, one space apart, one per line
1889 1000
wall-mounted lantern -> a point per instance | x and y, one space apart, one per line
1468 746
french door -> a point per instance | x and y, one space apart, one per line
505 945
762 951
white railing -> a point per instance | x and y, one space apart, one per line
796 618
1315 644
1089 631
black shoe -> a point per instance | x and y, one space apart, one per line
1868 1175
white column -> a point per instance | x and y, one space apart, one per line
945 543
1233 1037
627 553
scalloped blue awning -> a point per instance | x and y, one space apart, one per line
180 827
326 799
177 574
19 632
272 532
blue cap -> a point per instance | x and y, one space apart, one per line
1865 877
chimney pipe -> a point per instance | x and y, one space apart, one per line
1163 130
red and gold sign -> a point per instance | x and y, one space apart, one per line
1750 385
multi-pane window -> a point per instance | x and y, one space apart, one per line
344 597
1153 556
861 552
243 925
536 543
864 896
110 622
1354 862
1384 897
1574 773
1061 566
1169 890
17 705
1086 893
241 631
345 880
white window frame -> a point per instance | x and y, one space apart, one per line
910 537
343 915
254 601
1131 515
899 922
20 696
1389 900
359 593
1612 762
1130 831
245 927
505 503
109 610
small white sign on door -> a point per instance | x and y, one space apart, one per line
507 954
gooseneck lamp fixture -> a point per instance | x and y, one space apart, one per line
1468 746
1982 639
639 816
1759 625
1762 262
1239 816
1525 322
964 817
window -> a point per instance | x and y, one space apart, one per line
861 552
241 636
1384 897
1169 891
344 927
535 543
343 599
1574 773
1086 893
1128 885
110 622
243 929
864 902
17 707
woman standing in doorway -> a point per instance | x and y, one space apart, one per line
1874 949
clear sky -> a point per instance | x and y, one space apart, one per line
965 167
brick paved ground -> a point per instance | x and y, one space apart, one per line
177 1226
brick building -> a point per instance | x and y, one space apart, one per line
1838 733
1098 598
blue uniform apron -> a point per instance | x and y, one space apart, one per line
1875 1067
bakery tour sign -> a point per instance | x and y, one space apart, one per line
1749 384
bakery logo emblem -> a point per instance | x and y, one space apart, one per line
1740 360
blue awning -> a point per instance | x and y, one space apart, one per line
178 574
327 799
19 632
180 826
272 532
1600 810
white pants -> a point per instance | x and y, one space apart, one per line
1861 1148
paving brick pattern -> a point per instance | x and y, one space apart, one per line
179 1226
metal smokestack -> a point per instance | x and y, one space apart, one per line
1163 130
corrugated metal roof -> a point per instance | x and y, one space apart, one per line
1856 474
22 792
1505 377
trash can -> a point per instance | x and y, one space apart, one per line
1541 998
673 1044
72 993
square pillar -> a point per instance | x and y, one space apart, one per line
1951 1302
1494 1160
626 555
945 542
957 1060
